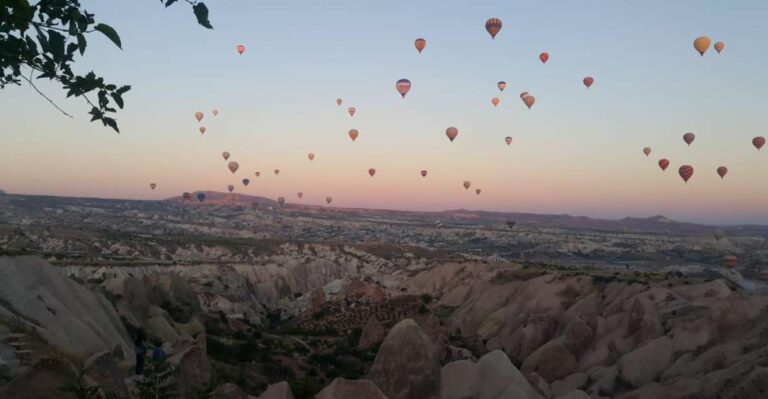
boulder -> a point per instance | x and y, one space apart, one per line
459 380
752 386
104 369
577 394
497 373
405 366
342 388
228 391
552 361
645 364
193 369
373 333
281 390
41 381
512 392
568 384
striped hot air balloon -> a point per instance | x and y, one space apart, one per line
686 172
663 164
758 142
403 86
588 81
493 26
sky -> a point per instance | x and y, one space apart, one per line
576 151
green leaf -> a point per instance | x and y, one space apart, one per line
110 33
169 2
201 12
81 43
118 99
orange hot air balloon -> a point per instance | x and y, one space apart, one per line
730 261
202 129
257 174
686 171
501 85
451 132
647 151
420 44
371 171
240 49
353 133
233 166
199 116
225 155
722 171
281 201
467 184
701 44
523 94
403 86
544 57
215 112
246 182
493 26
508 140
719 46
529 100
495 101
277 172
423 173
663 164
478 191
230 188
688 138
588 81
351 111
328 200
152 186
300 195
758 142
311 156
338 101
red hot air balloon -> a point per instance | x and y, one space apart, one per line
420 44
452 132
403 86
722 171
351 111
152 186
423 173
529 100
199 116
688 138
353 133
719 46
300 195
338 102
501 85
240 49
686 171
328 200
233 166
495 101
588 81
277 172
246 182
478 191
230 188
467 184
311 156
758 142
202 129
371 171
647 151
663 164
493 26
225 155
544 57
508 140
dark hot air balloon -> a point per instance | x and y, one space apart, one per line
467 184
501 85
478 191
686 171
152 186
233 166
300 195
647 151
328 200
403 86
201 197
277 172
544 57
511 223
371 171
688 138
508 140
722 171
663 164
423 173
230 188
588 81
225 155
758 142
246 182
451 132
493 26
257 174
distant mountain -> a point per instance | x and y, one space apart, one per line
2 192
218 198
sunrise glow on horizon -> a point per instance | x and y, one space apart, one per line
577 151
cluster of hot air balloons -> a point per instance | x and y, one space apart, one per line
702 43
199 116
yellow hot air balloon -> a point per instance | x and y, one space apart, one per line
701 44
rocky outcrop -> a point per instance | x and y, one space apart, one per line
193 368
228 391
43 381
342 388
281 390
104 368
460 380
497 374
646 363
405 366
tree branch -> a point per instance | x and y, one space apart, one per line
44 96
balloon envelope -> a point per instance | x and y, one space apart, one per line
719 46
420 44
199 116
353 133
501 85
200 197
225 155
647 151
451 132
311 156
338 101
300 195
495 101
511 223
688 138
277 172
493 26
701 44
351 111
722 171
371 171
508 140
467 184
544 57
423 173
588 81
152 186
240 49
478 191
328 199
215 112
529 100
186 196
758 142
202 129
403 86
230 188
233 166
686 172
257 174
663 164
246 182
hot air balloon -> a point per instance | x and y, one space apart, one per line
467 184
758 142
701 44
719 46
201 197
225 155
501 85
246 182
371 171
199 116
420 44
186 196
495 101
544 57
277 172
300 195
730 261
152 186
529 100
351 111
493 26
688 138
240 49
338 102
353 133
423 173
686 171
257 174
663 164
511 223
647 151
403 86
722 171
588 81
233 166
478 191
230 188
508 140
328 200
451 132
215 112
202 129
281 201
311 156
